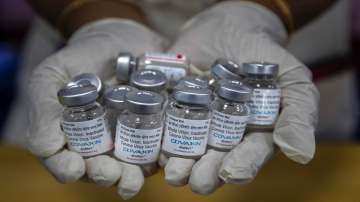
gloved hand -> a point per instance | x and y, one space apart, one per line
247 32
91 50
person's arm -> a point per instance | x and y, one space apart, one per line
85 13
301 11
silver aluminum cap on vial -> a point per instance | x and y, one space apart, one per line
87 79
73 96
115 96
149 80
193 95
191 81
226 69
125 65
144 102
234 90
194 81
259 68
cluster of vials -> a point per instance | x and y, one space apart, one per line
158 106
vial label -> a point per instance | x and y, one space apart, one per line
138 146
226 130
88 138
185 137
264 104
172 72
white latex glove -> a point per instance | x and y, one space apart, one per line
91 49
247 32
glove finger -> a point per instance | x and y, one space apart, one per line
204 174
66 166
149 169
103 170
132 179
163 159
295 128
177 170
241 165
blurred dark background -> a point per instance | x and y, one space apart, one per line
15 20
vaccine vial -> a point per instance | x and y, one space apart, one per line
187 123
174 66
149 80
224 69
265 100
114 98
231 112
83 121
139 128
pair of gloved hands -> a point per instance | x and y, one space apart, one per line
239 31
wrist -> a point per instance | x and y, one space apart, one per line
82 12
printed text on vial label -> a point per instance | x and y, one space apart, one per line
264 105
137 145
226 130
88 137
185 137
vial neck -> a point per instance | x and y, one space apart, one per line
83 107
224 100
189 106
261 77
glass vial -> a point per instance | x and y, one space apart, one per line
174 66
265 100
224 69
139 128
187 123
83 121
114 98
231 112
